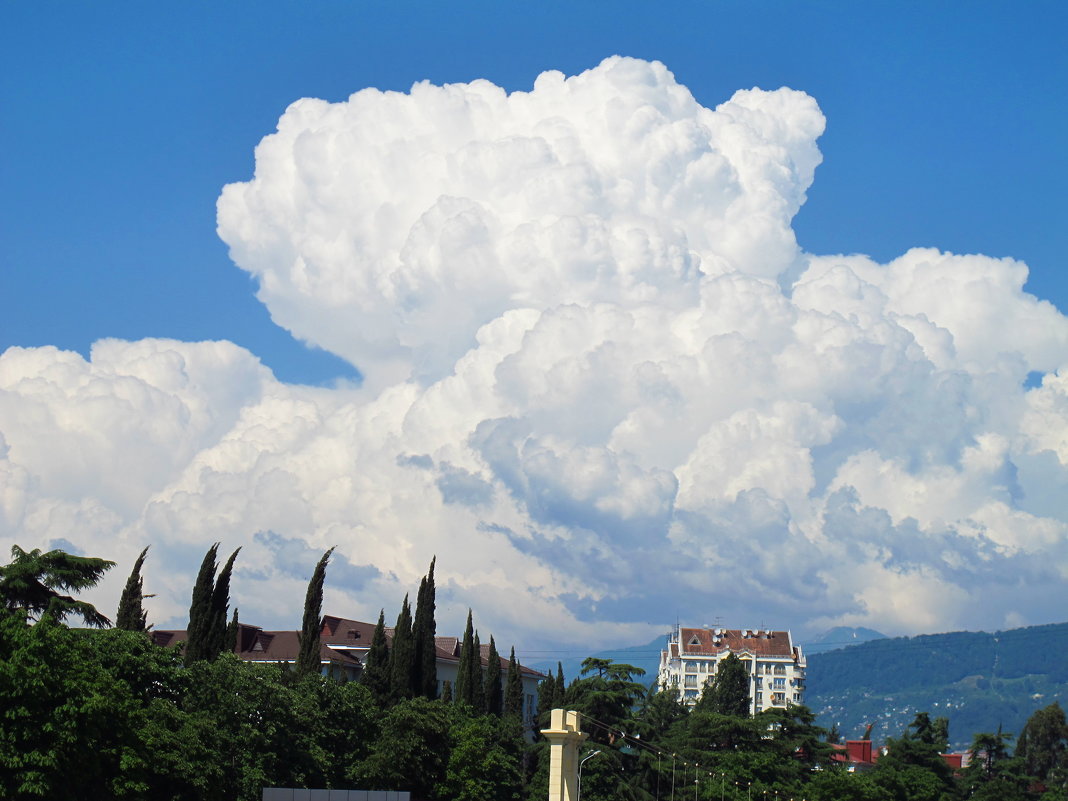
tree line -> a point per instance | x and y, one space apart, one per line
104 713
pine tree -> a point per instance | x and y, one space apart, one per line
401 655
513 690
32 584
493 687
478 682
375 676
200 611
308 660
220 608
232 631
464 676
131 615
425 671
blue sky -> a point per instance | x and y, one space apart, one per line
946 128
587 390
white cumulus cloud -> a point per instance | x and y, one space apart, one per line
602 383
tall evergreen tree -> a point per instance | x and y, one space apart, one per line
559 688
513 689
463 691
727 693
1043 745
424 628
131 615
200 610
446 691
375 676
308 659
232 630
220 607
493 687
478 681
546 691
401 655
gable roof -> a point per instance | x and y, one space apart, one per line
714 642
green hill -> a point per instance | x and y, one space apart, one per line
978 680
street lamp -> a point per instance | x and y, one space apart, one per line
585 759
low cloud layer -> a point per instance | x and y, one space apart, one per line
602 383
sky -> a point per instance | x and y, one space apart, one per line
630 313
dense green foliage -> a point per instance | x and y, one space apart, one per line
981 679
104 713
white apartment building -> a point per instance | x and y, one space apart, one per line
776 666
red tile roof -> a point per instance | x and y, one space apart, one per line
712 642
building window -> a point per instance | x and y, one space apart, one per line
780 684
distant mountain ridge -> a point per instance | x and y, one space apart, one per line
979 680
646 657
839 637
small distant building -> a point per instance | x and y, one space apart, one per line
857 755
776 666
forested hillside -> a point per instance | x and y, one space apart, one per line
978 680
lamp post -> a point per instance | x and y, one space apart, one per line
584 760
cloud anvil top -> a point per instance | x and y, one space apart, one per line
600 375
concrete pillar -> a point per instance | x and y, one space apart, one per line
565 736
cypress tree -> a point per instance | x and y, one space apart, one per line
401 655
425 672
464 676
375 676
131 615
446 691
513 691
493 687
559 689
478 687
199 631
220 608
232 632
546 693
308 659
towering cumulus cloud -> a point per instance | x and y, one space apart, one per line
602 383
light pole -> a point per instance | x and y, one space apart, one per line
585 759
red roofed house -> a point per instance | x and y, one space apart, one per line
343 646
776 666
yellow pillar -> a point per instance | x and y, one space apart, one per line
565 736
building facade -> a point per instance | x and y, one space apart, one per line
775 665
